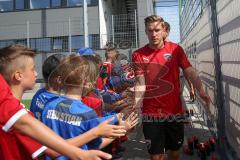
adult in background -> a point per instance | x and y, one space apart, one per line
157 90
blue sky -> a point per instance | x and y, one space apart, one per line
171 15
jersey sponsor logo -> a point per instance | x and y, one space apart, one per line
167 56
145 59
39 103
64 117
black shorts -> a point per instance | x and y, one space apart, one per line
163 136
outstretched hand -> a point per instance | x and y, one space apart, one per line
130 122
107 130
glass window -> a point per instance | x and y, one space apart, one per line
36 4
6 5
21 41
19 4
94 41
33 43
43 44
80 2
75 3
57 43
77 42
56 3
9 42
3 44
92 2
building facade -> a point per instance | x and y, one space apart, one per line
57 26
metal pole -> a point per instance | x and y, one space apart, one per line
219 88
85 17
113 29
180 18
136 30
180 6
28 35
70 36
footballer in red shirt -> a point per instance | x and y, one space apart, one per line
161 71
157 90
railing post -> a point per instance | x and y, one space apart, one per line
85 17
28 35
136 28
218 73
69 36
113 28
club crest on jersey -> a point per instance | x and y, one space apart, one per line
145 59
167 56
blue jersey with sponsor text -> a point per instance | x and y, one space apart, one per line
39 100
70 118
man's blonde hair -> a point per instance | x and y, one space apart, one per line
166 26
153 18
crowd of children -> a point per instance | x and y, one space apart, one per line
82 102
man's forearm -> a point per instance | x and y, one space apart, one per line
139 91
194 79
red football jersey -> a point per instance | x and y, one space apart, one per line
14 145
109 67
101 82
161 71
94 102
10 108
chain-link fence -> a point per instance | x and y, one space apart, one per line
68 35
123 30
211 40
50 36
51 32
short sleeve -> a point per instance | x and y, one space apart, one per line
182 59
137 65
94 144
10 108
31 146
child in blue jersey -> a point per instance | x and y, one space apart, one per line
49 91
68 116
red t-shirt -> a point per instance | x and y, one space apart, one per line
161 71
109 66
10 108
101 82
14 145
94 102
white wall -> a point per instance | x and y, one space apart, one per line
14 24
145 8
104 11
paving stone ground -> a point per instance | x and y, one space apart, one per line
136 148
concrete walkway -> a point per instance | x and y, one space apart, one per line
136 148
